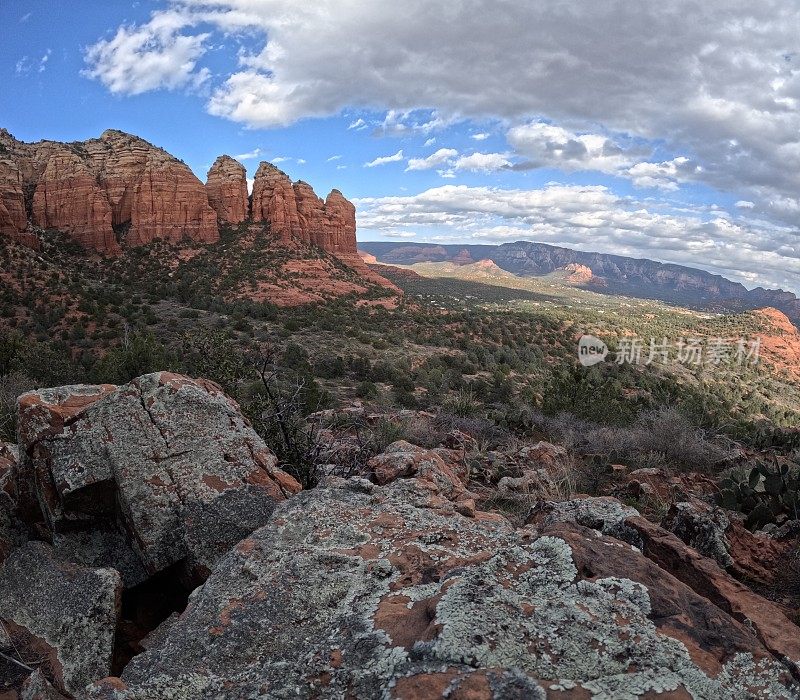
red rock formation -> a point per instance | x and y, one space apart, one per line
274 201
68 198
341 213
295 211
312 215
86 189
577 273
227 190
157 194
12 200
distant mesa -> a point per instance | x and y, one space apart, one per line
577 274
119 191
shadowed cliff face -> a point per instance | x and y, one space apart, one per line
119 191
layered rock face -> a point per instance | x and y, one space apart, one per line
98 189
119 191
227 190
294 211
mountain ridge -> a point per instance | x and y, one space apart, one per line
638 277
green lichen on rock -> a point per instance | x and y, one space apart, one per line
381 592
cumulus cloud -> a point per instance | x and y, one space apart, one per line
482 136
483 162
547 145
358 124
448 161
666 175
382 160
150 56
593 218
435 160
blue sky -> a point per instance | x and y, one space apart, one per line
665 131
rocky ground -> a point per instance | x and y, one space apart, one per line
151 547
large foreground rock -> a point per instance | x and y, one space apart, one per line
59 614
365 591
161 471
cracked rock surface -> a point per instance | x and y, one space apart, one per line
159 471
364 591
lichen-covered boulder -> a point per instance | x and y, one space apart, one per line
401 459
363 591
602 513
61 614
166 461
702 527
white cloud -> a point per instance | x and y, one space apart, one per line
592 218
546 145
44 59
25 17
441 157
301 161
332 158
744 204
151 56
279 159
255 153
359 124
385 159
399 234
666 175
22 66
718 80
430 141
483 162
449 157
482 136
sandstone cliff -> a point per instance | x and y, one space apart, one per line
119 191
227 190
295 211
102 191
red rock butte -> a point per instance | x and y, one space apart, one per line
120 191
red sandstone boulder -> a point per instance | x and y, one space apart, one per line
226 187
